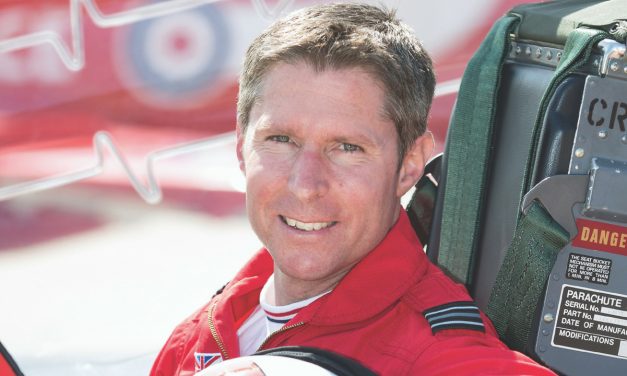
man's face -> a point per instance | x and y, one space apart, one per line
321 163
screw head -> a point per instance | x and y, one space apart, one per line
579 152
518 50
549 55
614 66
603 134
528 51
624 139
548 317
539 53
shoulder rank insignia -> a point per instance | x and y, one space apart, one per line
455 315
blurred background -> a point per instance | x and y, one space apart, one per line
121 202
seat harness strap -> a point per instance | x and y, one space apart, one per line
468 148
522 277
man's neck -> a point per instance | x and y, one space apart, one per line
289 290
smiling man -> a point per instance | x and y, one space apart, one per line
331 132
323 187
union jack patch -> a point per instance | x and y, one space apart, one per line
204 360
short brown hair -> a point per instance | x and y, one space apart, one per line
348 35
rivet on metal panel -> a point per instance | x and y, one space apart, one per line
624 139
539 53
548 317
559 56
518 50
549 55
603 134
614 66
579 153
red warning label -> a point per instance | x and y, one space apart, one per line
601 236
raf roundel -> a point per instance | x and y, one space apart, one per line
177 57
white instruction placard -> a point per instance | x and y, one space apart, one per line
592 321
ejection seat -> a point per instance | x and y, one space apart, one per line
529 209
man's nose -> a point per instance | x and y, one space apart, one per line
309 178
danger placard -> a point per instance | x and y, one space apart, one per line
592 321
589 269
601 236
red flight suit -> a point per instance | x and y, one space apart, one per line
394 312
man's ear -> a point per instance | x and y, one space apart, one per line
413 163
239 133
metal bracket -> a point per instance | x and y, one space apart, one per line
613 52
605 197
558 194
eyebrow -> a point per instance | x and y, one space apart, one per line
268 128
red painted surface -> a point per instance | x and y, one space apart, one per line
601 236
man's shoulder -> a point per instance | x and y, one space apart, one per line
462 338
190 326
185 334
435 289
447 307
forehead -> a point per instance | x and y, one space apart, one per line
298 90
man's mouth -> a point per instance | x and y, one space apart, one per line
306 226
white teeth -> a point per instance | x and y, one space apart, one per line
307 226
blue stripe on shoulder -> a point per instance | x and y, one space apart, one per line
454 315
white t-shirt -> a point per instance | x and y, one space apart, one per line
267 319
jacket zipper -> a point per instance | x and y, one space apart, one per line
214 333
283 329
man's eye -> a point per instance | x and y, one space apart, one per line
350 148
279 138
